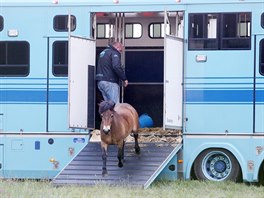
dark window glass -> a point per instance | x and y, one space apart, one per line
60 23
203 31
234 28
236 31
229 25
197 26
14 58
261 57
60 58
1 23
262 20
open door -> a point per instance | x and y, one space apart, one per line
173 82
81 94
173 74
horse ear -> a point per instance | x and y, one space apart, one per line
105 105
113 106
101 105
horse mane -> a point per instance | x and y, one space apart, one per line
106 105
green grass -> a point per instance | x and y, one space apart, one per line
44 189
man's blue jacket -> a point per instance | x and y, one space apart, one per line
109 66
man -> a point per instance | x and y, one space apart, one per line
109 72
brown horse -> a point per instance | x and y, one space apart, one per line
118 121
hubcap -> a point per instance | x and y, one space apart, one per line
216 166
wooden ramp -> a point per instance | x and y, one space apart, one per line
138 170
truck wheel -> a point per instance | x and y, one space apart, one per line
216 165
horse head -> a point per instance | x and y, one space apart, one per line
106 110
107 118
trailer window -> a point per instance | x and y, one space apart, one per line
156 30
203 31
236 31
104 30
60 58
261 57
262 20
60 23
219 31
1 23
14 58
133 30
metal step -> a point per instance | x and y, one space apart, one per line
138 170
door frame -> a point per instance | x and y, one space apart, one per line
258 108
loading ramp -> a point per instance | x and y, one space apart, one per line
138 170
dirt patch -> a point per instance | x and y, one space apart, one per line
159 135
150 135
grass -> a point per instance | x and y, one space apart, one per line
186 189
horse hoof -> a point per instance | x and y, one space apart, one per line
137 150
120 164
104 173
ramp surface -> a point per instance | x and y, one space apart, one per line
138 170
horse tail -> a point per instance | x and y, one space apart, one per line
136 122
135 119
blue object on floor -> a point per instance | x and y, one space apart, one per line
145 121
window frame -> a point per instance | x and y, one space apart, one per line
65 29
261 57
222 38
16 66
1 23
133 37
55 66
161 30
203 40
105 36
262 20
222 42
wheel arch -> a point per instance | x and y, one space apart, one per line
258 175
237 155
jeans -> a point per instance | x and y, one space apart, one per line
109 90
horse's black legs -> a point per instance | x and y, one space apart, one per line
137 148
123 148
104 157
120 155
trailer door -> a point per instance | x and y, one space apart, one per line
81 94
259 85
173 82
1 160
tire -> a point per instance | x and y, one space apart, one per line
216 165
261 174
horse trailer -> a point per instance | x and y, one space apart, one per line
193 66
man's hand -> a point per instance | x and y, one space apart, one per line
125 83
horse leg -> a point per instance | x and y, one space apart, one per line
120 154
123 148
137 148
104 157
